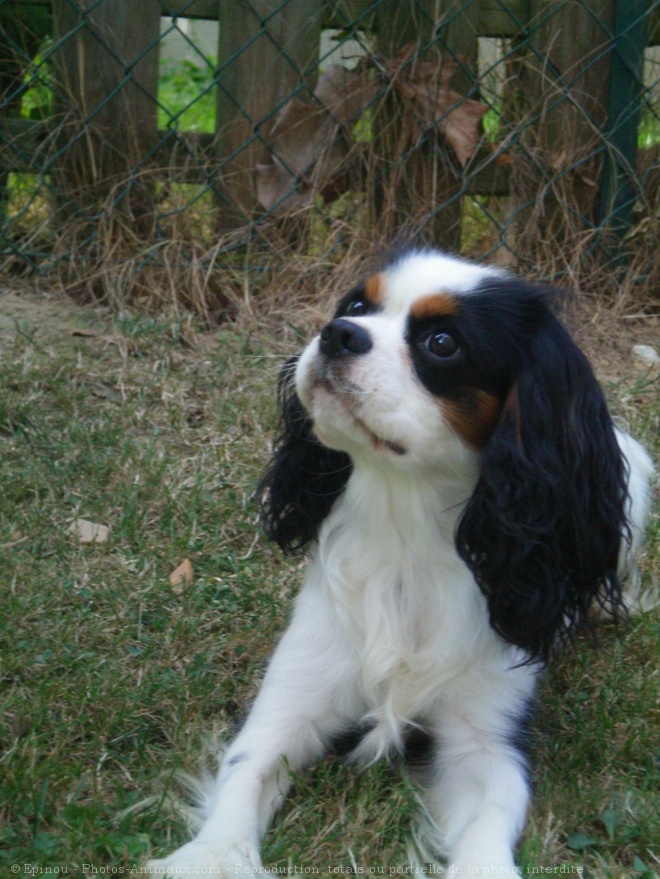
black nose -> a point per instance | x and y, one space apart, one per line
341 337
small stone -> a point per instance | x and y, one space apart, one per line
646 353
89 532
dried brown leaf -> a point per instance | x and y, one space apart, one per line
309 141
346 93
425 85
303 134
181 575
85 333
461 127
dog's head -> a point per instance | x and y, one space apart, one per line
417 364
447 369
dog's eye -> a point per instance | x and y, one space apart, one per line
442 344
356 308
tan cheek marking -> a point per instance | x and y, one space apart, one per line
374 289
474 417
512 408
434 305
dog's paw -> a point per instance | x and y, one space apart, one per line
201 857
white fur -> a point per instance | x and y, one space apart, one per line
431 272
640 475
390 626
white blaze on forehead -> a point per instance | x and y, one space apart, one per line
422 274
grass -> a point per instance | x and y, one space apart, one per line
649 127
113 678
186 96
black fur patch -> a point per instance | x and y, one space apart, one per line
304 477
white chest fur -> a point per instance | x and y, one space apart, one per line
409 607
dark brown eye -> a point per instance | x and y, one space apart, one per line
356 308
442 344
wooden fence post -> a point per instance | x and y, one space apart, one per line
107 82
563 84
619 191
268 50
427 197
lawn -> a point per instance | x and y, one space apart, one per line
114 676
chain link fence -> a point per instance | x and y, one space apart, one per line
183 142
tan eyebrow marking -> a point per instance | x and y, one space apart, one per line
435 305
373 289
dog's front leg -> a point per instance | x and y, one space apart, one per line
477 791
306 698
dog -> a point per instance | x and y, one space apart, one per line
448 461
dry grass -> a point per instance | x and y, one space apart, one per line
155 244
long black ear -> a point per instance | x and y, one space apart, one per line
303 478
543 528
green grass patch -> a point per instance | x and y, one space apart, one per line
187 97
112 678
649 127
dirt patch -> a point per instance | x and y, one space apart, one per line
50 319
45 318
608 336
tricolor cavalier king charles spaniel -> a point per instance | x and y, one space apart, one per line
448 461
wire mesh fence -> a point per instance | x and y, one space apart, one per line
194 139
